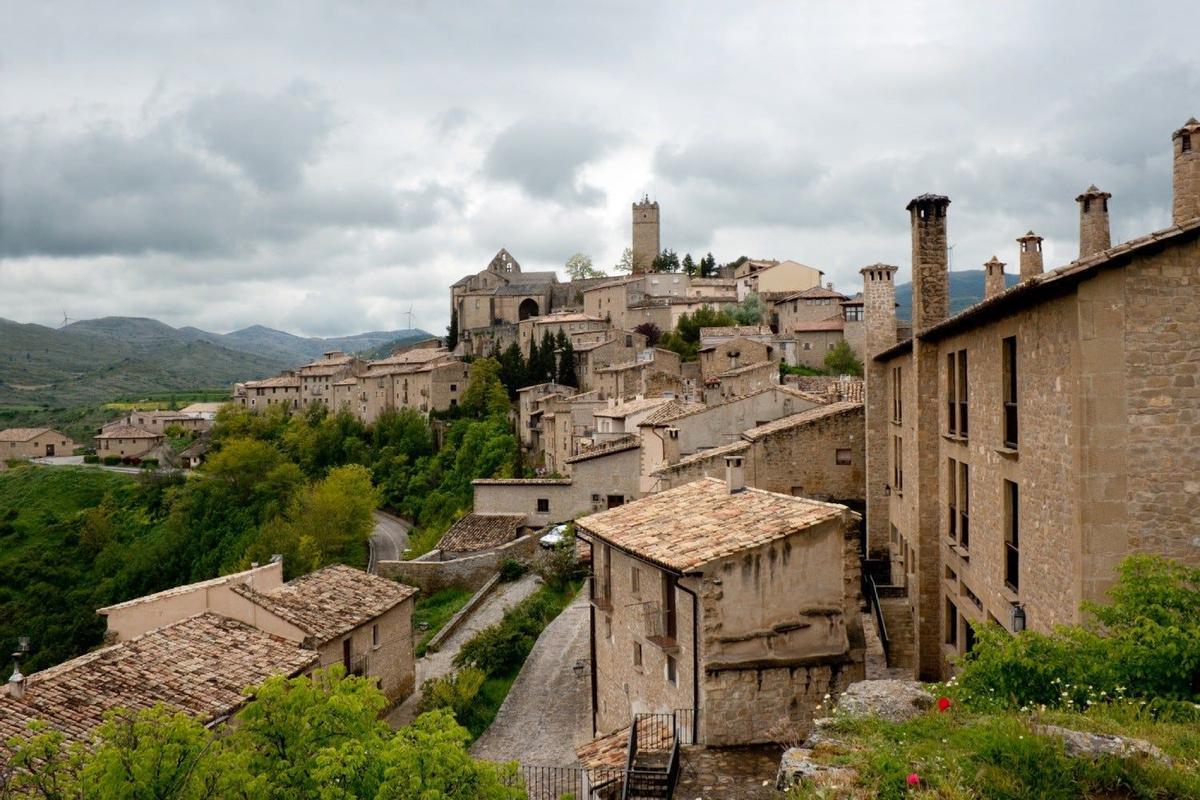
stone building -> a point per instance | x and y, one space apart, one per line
740 381
812 304
732 353
531 402
345 615
815 339
653 372
317 378
126 441
34 443
775 278
283 390
567 425
818 453
159 421
660 298
1017 451
734 605
646 240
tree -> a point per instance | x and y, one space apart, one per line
514 372
566 362
708 266
485 396
751 311
689 325
689 266
666 261
841 360
452 330
579 267
625 264
650 331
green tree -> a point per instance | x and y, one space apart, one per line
750 311
240 464
452 330
579 267
566 361
689 266
485 395
841 360
666 261
514 373
625 263
650 331
708 266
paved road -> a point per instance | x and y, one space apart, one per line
435 665
390 538
546 714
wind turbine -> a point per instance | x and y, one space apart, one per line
66 320
409 314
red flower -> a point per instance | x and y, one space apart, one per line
943 704
913 779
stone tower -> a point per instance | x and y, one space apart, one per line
879 323
879 307
1186 143
930 262
993 280
1031 255
646 246
1094 236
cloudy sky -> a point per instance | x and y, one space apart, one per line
322 167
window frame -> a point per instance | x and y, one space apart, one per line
1010 377
1012 536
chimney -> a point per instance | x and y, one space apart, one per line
1031 255
1186 172
829 286
879 307
1094 236
993 281
735 474
930 262
671 445
16 684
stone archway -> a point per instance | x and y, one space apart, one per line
527 309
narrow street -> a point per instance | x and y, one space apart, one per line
547 712
389 539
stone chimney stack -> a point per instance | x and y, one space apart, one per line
879 307
1186 143
1094 236
930 261
993 281
671 445
735 474
1031 255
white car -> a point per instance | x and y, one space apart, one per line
554 538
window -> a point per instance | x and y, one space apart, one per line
606 572
854 313
897 396
668 601
898 463
1010 391
1012 538
964 493
808 345
956 393
637 654
672 671
374 636
635 580
951 623
454 387
952 497
543 505
1185 143
628 340
842 456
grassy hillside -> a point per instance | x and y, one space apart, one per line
966 289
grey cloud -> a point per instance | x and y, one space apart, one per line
546 157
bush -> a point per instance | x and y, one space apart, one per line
502 648
455 691
91 459
149 463
558 567
112 461
511 569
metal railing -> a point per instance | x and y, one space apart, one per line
871 593
551 783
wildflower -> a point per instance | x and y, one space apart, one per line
913 779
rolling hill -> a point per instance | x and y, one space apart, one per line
966 289
93 361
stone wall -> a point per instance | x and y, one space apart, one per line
430 574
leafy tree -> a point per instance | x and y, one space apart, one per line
579 267
650 331
841 360
455 691
452 330
514 373
689 325
708 266
485 396
625 263
751 311
566 361
240 464
689 266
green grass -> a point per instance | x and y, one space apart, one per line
436 610
960 755
34 491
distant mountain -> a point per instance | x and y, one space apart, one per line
966 289
93 361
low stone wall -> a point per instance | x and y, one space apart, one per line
467 610
430 574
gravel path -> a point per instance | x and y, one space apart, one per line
435 665
547 712
389 540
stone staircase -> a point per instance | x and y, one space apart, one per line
898 617
650 777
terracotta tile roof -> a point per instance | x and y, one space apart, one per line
803 395
583 348
623 410
127 432
481 532
331 601
703 455
815 292
670 411
684 528
801 419
286 381
620 445
22 434
199 665
610 752
521 482
830 324
420 355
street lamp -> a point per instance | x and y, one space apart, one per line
1018 617
580 667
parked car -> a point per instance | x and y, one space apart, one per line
554 538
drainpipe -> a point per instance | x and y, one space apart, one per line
695 662
592 653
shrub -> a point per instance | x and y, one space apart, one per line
511 569
149 463
455 691
112 461
502 648
91 459
558 567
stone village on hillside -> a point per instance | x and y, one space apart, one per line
753 546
